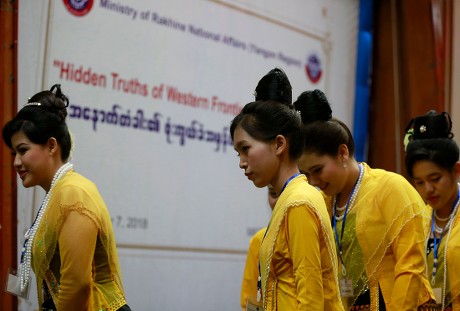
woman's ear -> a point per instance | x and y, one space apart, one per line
343 155
457 170
52 145
280 144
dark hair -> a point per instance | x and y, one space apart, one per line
430 125
430 139
322 133
41 118
274 86
264 120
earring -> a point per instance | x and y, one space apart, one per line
344 165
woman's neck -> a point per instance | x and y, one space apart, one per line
445 211
285 172
353 175
54 167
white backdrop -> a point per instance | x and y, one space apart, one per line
153 86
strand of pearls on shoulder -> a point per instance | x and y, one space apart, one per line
30 234
354 194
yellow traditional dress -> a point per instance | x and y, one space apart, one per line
251 269
448 262
384 243
298 261
74 251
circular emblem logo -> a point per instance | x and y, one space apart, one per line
313 68
79 7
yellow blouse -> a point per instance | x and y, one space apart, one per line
384 242
452 288
74 249
297 256
251 269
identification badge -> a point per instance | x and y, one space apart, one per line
346 287
438 295
13 285
253 305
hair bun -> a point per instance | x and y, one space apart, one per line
431 125
274 86
53 101
60 103
313 106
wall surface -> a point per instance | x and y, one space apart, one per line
153 86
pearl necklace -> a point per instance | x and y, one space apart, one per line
352 198
340 209
438 230
26 256
452 217
441 219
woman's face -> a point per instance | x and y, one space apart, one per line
323 171
31 161
437 186
258 159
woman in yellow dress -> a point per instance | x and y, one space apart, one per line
71 245
432 165
298 263
377 216
273 86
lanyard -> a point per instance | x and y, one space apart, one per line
288 181
334 221
259 279
437 242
